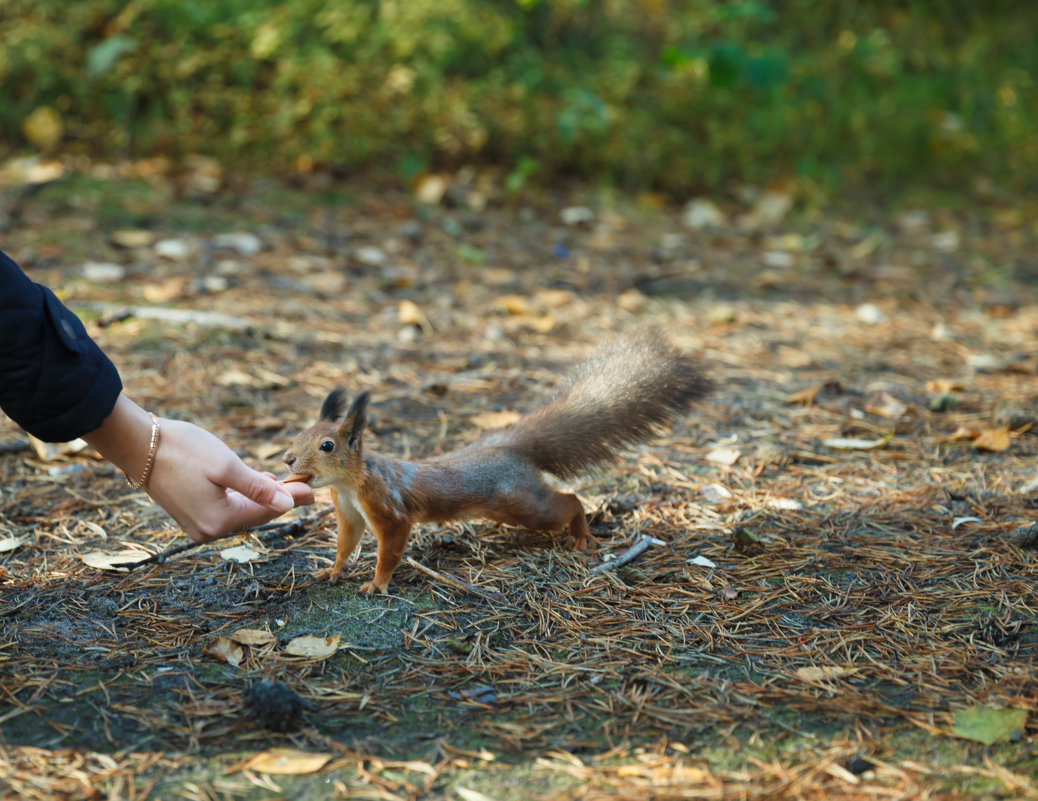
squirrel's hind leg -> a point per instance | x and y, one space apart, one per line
579 537
547 510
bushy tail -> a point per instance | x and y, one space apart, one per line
617 398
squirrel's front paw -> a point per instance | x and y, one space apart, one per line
328 574
371 588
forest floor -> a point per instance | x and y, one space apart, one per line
841 604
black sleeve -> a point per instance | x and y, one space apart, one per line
55 382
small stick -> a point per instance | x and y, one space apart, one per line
457 583
632 553
270 532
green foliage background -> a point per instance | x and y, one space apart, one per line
681 96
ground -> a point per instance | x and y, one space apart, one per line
839 589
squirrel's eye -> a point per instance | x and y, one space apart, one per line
327 446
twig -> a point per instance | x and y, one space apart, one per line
199 317
269 531
457 583
632 553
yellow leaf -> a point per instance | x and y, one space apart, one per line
556 298
541 323
287 762
133 238
996 439
253 637
944 386
963 432
112 561
170 289
313 647
411 314
805 396
224 649
514 304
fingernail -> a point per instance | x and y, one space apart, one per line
283 502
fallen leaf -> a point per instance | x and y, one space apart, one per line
793 357
715 493
9 544
165 291
995 439
944 386
112 561
132 238
466 794
850 444
989 725
958 521
55 451
430 189
541 323
224 649
805 396
313 647
410 313
257 637
556 298
702 561
886 405
287 762
724 455
239 553
514 304
814 674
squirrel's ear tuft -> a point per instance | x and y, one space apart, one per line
356 419
333 405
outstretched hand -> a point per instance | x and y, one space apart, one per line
196 478
209 491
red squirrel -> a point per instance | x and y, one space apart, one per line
617 398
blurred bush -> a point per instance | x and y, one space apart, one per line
681 96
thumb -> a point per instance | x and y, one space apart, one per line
257 487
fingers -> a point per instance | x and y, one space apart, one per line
257 487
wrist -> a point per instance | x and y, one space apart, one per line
125 439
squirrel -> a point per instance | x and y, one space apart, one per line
612 401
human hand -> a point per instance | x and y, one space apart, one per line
196 478
209 491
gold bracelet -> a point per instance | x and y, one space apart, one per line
154 446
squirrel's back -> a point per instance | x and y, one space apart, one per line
615 399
